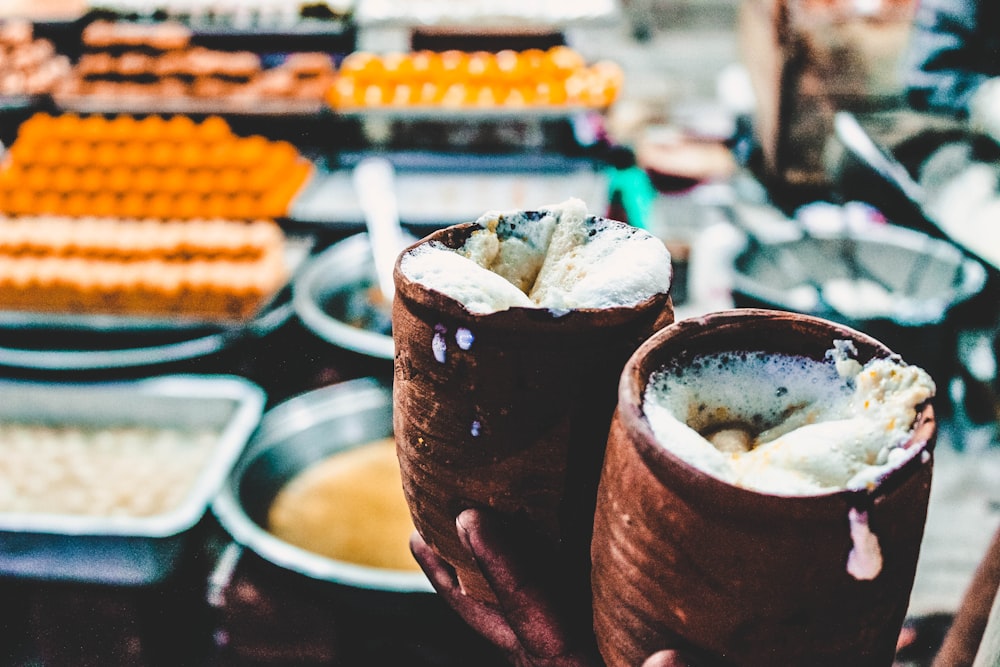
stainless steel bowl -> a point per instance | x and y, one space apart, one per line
922 282
292 436
332 297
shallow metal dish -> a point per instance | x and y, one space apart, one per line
292 436
332 298
926 278
48 342
124 550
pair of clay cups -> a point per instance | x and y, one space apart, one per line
524 412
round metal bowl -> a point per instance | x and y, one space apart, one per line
292 436
920 282
332 296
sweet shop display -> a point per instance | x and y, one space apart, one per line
126 471
205 270
151 167
487 12
162 196
28 65
159 61
532 78
231 12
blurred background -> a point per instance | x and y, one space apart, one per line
198 189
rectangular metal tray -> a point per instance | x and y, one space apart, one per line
297 250
124 550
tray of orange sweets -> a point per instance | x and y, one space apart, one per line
103 293
126 240
143 222
110 273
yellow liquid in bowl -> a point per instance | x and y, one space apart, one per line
348 507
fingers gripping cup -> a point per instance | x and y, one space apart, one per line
510 335
763 495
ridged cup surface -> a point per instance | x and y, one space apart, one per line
508 410
684 560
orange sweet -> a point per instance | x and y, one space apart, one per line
217 206
175 179
119 179
92 180
161 153
458 95
244 206
510 66
426 65
150 128
37 125
404 94
77 153
229 180
346 93
146 180
132 205
563 61
363 66
550 93
134 153
65 179
161 205
376 95
179 128
121 128
531 62
76 204
65 126
103 204
454 66
49 202
430 93
21 202
36 179
203 181
213 129
481 67
188 205
106 155
397 68
92 128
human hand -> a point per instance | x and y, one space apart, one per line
533 624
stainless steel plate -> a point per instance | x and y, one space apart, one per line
292 436
124 550
332 298
46 342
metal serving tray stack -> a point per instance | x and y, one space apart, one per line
124 550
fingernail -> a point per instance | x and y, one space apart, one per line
463 533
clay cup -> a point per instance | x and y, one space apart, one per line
508 411
684 560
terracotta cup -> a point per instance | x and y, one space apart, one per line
684 560
508 410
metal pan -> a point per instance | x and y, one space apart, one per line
293 435
124 550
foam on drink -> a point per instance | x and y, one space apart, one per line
558 258
788 425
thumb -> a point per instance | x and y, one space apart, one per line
665 659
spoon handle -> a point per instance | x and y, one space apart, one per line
374 183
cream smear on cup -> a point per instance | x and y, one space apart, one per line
558 258
788 425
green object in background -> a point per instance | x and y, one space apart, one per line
631 190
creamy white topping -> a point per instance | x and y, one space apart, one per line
558 257
788 425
